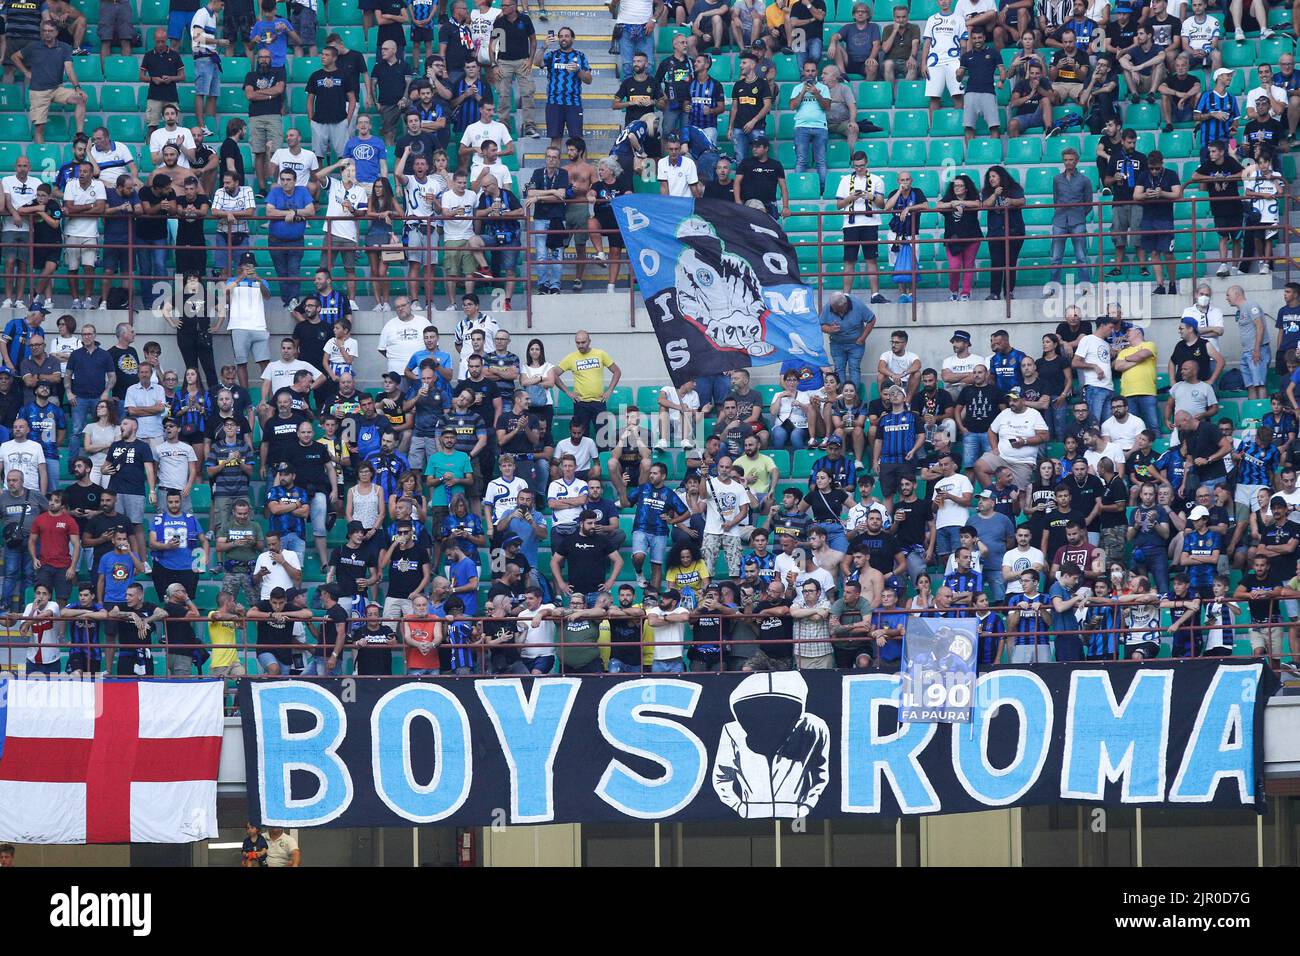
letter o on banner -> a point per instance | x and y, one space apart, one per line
1028 696
649 262
777 263
390 743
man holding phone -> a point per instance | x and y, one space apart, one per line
861 192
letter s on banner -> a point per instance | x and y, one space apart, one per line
626 725
390 752
281 751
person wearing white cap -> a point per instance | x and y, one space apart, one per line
1216 114
1014 441
1200 555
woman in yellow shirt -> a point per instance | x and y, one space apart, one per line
686 570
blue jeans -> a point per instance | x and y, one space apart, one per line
1060 420
82 414
713 389
796 438
1098 400
286 259
634 40
673 666
993 581
18 575
835 536
812 52
973 444
1080 242
946 541
1146 408
548 274
226 250
674 119
294 543
150 265
707 165
1155 558
814 138
847 359
740 141
618 667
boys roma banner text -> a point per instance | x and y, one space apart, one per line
818 744
721 283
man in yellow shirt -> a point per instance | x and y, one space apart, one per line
223 628
1136 365
589 391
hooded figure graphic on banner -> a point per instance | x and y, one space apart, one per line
719 292
772 760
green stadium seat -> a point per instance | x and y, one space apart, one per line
1052 148
122 69
1177 145
785 127
232 101
804 186
347 15
1254 409
89 69
911 123
14 128
128 129
1268 51
1024 150
46 158
946 122
13 97
945 152
910 95
984 151
907 153
302 67
153 12
875 96
1142 116
837 154
122 97
1038 217
880 118
785 155
1239 54
9 153
877 153
723 70
663 41
298 101
804 459
926 180
1038 181
787 68
647 399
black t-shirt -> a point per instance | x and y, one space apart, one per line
216 429
514 36
329 630
428 143
1265 609
1164 30
826 506
129 458
981 406
759 178
373 660
101 523
507 653
78 498
981 67
281 436
1125 167
390 78
1083 497
331 92
166 63
1069 334
1183 84
879 549
405 570
264 80
587 561
1268 132
178 633
775 629
269 633
309 467
803 11
627 632
189 232
1115 493
1031 99
352 65
1121 35
1283 567
748 98
457 38
1054 522
716 190
632 87
152 227
350 566
932 403
229 157
1223 192
127 633
1198 352
521 444
311 338
909 526
674 78
1204 443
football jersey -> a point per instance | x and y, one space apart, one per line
945 34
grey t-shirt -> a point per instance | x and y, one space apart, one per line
20 509
46 63
993 532
1195 399
843 105
1248 312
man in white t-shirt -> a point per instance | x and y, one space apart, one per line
23 454
84 201
580 447
346 205
401 336
303 163
676 170
276 567
952 497
111 158
536 620
19 192
1015 438
462 255
487 160
146 400
941 48
898 366
1123 427
178 465
1099 448
668 622
726 502
567 494
860 194
1209 318
1023 557
279 374
1092 356
246 295
173 134
959 367
487 128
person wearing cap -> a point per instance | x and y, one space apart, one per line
1015 438
759 178
1200 555
287 510
1194 347
751 102
1216 114
1156 188
1092 356
959 368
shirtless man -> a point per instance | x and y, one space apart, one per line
581 176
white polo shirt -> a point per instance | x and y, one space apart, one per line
680 177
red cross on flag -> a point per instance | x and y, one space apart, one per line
111 761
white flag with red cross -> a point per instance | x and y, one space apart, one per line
109 761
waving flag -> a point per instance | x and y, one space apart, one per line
721 283
109 761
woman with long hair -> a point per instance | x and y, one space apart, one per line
962 236
825 503
686 570
98 435
192 407
408 489
1039 497
1004 200
537 376
365 502
923 599
380 213
1057 379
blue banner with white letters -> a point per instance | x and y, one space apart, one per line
721 283
771 745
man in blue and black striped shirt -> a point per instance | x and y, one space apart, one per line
1216 113
899 439
566 70
707 99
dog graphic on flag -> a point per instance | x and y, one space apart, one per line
718 292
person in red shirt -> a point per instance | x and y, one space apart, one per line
55 547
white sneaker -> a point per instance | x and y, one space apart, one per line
1265 34
662 444
1222 270
103 305
353 304
687 443
640 581
415 306
1234 271
76 303
609 287
20 304
1239 35
600 256
293 303
7 304
1265 268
